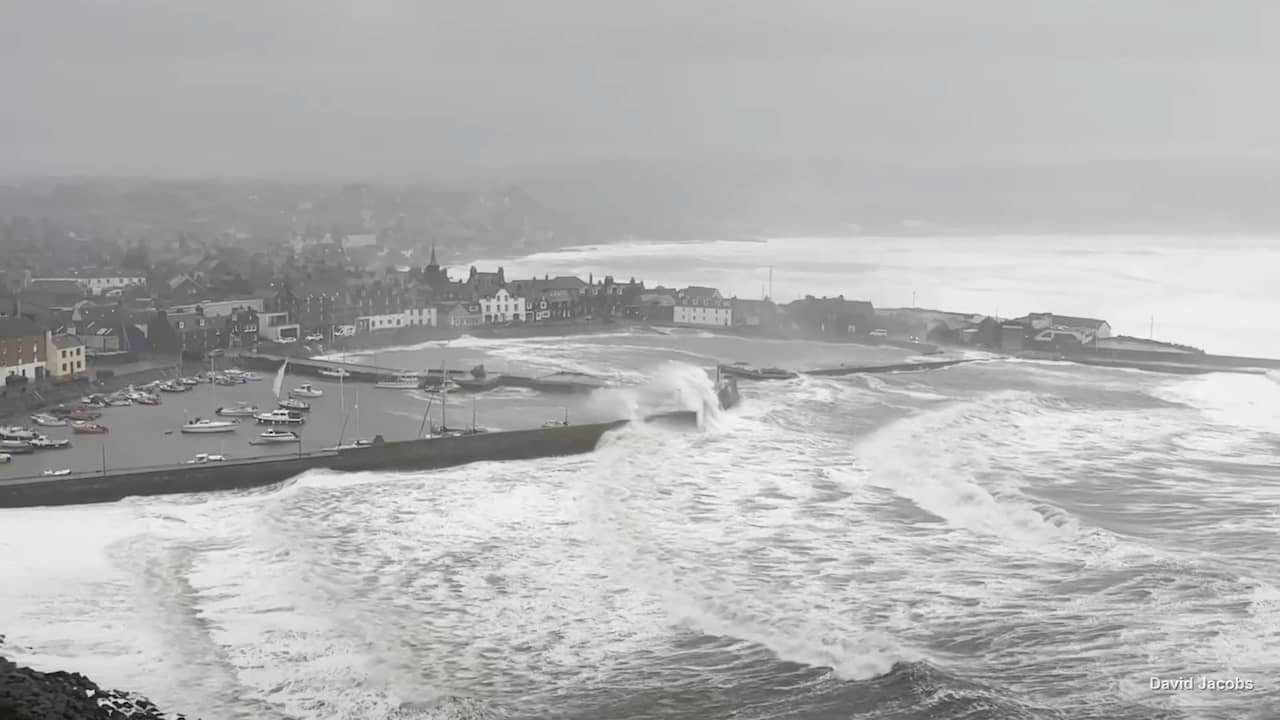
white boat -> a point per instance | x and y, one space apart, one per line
250 376
202 458
16 447
188 381
276 436
44 442
5 457
173 387
63 471
294 404
202 425
47 420
306 390
227 380
280 417
335 373
238 410
15 432
400 382
118 401
144 398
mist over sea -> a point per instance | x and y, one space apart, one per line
999 540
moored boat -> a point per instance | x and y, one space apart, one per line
15 432
88 428
5 457
306 390
44 442
83 415
276 436
238 410
173 387
47 420
334 373
280 417
188 381
17 447
400 382
294 404
203 425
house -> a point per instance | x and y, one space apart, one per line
460 314
1013 336
276 326
1065 330
485 284
549 298
222 308
241 328
24 347
833 316
424 315
106 329
193 332
502 307
753 313
65 358
99 283
702 306
184 288
373 323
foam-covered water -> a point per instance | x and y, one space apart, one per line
992 540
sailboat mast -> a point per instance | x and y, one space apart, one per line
444 400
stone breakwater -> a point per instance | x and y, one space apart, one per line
27 694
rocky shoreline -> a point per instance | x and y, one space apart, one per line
27 694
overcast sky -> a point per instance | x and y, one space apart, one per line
432 88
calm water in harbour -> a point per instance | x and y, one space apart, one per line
995 540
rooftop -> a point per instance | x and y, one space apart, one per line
19 327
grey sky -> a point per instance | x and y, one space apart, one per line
430 88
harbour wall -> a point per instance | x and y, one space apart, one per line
423 454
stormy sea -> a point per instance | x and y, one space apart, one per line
996 540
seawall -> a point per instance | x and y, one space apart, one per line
422 454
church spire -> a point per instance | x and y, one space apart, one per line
433 263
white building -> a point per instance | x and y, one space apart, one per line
422 316
502 307
222 308
99 284
276 327
702 306
374 323
65 357
361 240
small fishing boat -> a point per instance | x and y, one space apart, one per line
173 387
250 376
280 417
56 473
15 432
17 447
144 398
202 425
334 373
306 390
94 401
188 381
238 410
47 420
400 382
44 442
202 458
88 428
227 380
118 401
294 404
273 436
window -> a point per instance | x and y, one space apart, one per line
79 364
64 367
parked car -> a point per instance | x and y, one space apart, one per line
287 340
879 333
315 337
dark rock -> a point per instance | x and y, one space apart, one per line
27 694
